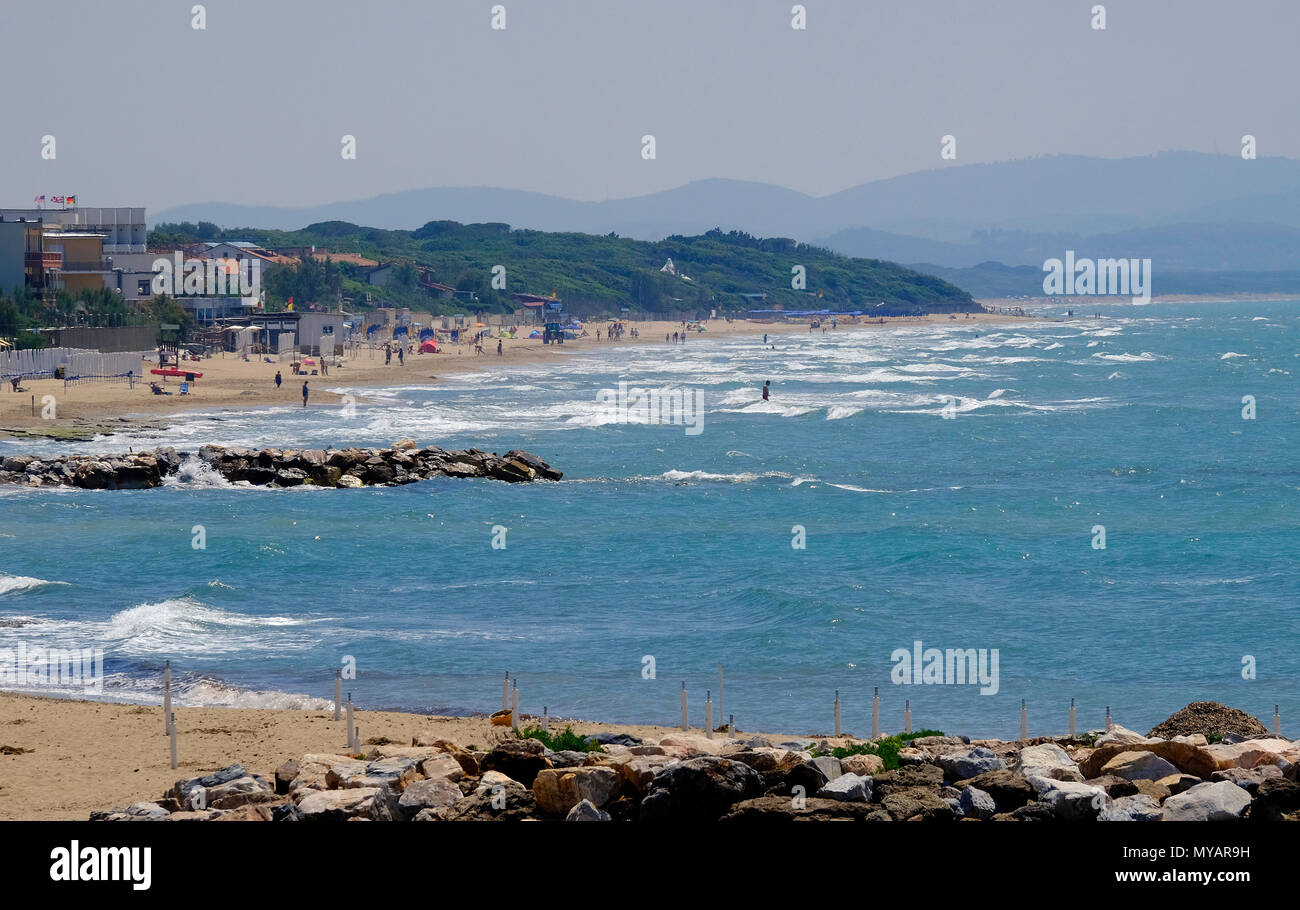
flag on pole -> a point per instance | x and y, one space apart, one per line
72 200
40 199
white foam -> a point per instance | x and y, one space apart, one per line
17 584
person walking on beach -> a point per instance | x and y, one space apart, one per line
304 393
767 385
499 354
278 379
401 357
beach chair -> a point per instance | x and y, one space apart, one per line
185 388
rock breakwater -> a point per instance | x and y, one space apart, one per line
404 462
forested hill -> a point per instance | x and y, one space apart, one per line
724 271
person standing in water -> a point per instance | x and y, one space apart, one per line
767 385
304 393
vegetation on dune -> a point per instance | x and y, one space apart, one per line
729 272
568 741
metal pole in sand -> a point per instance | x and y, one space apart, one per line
731 726
685 722
338 694
907 716
1072 718
546 721
1277 721
1024 721
348 711
875 714
1110 725
514 706
505 692
708 713
167 697
837 712
171 733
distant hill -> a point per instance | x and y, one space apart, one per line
1054 194
722 270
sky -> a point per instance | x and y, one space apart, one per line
147 110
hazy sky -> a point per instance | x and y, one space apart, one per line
145 110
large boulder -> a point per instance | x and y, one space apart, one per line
784 809
966 764
852 788
918 802
699 789
1009 789
1139 766
1276 800
335 805
1218 801
1047 760
584 811
1137 808
557 790
1070 800
975 803
1253 753
520 759
437 793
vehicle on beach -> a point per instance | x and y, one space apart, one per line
554 332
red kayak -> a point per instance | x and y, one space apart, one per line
172 371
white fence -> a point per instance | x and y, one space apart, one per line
79 365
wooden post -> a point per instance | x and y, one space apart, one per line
1024 722
685 721
167 697
348 712
708 713
731 726
1072 718
837 712
514 707
875 714
338 694
546 720
171 733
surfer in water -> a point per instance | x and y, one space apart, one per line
766 387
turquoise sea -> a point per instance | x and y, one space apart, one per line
973 530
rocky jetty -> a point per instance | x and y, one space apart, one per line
402 463
1118 775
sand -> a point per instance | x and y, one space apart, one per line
228 381
88 756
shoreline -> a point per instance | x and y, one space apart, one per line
85 411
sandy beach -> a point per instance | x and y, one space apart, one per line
82 411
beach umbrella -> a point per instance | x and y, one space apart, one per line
428 347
